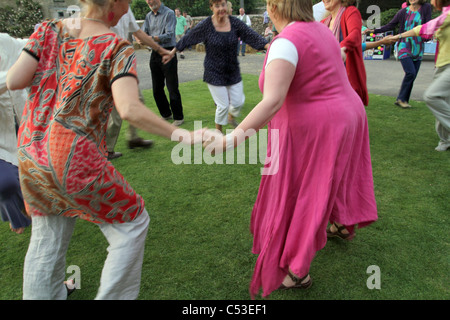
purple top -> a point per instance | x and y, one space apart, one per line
400 19
221 63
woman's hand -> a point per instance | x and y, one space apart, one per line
343 54
388 40
214 142
167 55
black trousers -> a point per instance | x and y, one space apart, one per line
166 74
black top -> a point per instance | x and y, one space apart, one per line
221 63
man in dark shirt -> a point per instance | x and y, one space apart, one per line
160 24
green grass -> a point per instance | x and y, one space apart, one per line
199 244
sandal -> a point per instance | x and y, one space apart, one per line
298 282
338 233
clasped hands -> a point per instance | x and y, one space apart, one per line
387 40
213 141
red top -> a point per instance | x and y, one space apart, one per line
351 24
62 151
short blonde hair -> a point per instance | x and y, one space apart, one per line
229 7
293 10
100 6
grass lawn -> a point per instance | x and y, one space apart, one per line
199 244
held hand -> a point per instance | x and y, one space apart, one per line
204 135
214 142
388 40
188 137
368 31
343 54
167 57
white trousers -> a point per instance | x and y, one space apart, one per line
228 100
44 269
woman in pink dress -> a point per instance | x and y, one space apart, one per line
322 155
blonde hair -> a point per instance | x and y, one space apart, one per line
293 10
229 7
100 7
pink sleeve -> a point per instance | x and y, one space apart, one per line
428 29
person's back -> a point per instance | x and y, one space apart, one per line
321 76
65 124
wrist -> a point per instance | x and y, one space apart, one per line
229 141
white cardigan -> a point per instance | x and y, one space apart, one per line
11 102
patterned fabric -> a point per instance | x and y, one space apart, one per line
411 47
62 152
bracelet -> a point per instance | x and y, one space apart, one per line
399 36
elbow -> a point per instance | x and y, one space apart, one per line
124 112
128 112
10 84
14 83
275 105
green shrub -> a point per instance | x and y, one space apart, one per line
194 8
19 22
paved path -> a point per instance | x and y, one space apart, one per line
383 77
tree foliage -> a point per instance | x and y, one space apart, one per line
194 8
19 22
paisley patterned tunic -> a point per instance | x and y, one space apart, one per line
62 152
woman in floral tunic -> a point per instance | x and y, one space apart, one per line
77 70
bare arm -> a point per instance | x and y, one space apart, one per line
130 108
278 77
22 72
406 34
145 39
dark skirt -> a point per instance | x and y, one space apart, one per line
12 208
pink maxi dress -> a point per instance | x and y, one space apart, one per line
323 161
